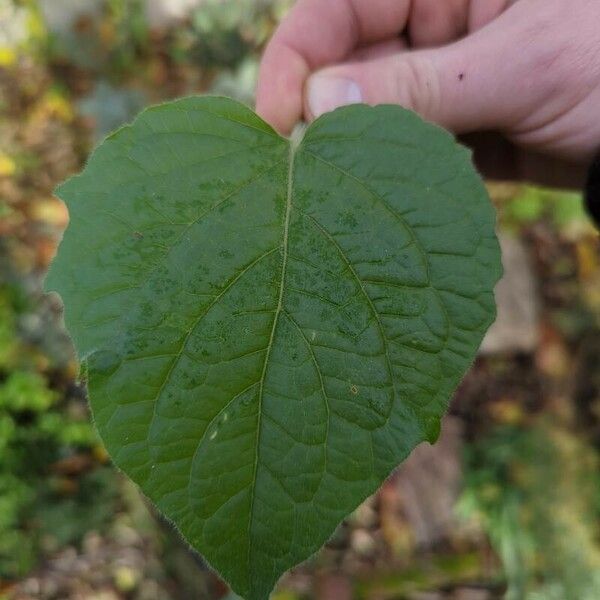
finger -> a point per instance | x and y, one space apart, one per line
465 86
314 34
437 22
482 12
380 50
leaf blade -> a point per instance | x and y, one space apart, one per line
270 329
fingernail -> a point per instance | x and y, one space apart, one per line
326 93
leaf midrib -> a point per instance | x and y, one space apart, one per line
278 310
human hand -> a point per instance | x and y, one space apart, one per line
529 70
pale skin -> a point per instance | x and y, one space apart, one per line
528 70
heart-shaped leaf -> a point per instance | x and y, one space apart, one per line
270 328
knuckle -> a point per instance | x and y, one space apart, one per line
417 85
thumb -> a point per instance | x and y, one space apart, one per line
465 86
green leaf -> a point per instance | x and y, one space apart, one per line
270 328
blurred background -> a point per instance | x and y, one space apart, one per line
506 505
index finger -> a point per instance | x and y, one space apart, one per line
317 33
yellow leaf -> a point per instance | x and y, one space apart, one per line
8 166
58 106
8 56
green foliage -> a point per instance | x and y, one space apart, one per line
130 34
535 493
224 35
36 429
531 204
24 391
270 327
